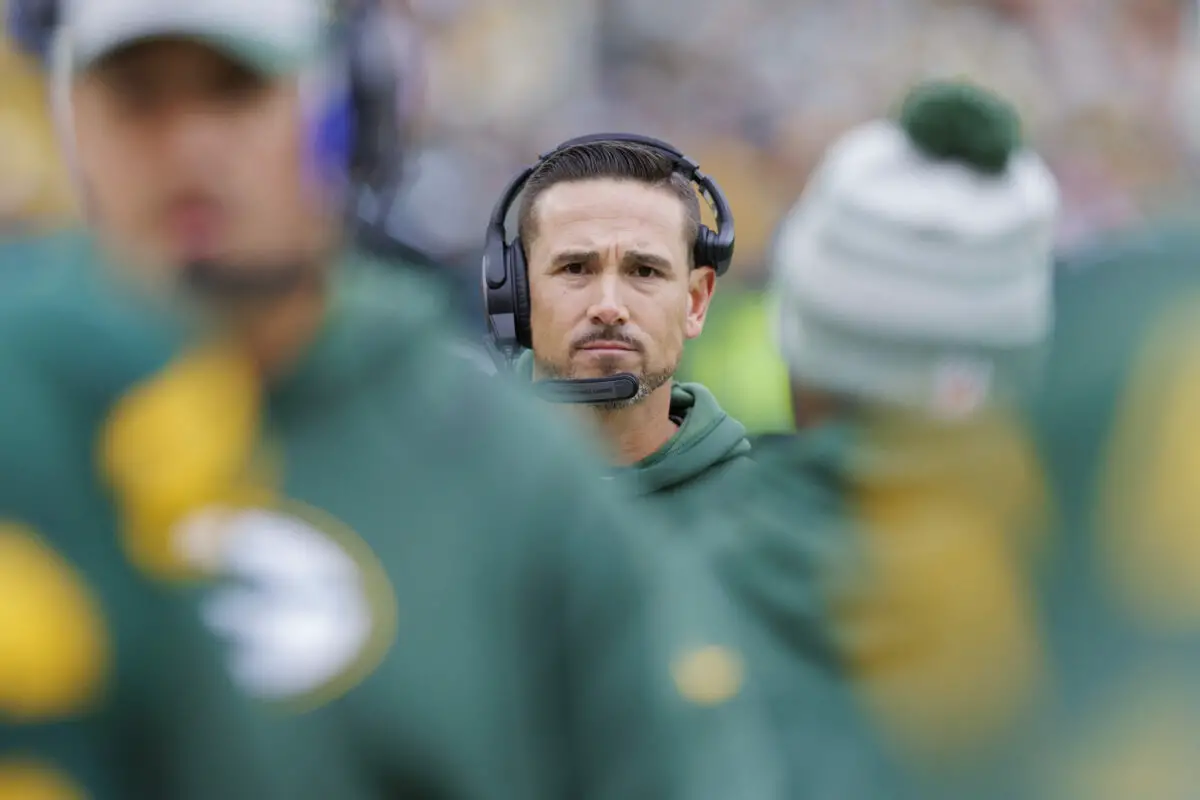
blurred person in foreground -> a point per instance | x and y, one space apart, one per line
112 688
393 549
614 272
1119 424
890 537
618 279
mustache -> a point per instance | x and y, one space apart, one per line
606 334
183 198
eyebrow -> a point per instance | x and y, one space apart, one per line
631 257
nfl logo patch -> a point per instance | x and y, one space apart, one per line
960 387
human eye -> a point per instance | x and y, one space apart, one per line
236 86
646 271
135 92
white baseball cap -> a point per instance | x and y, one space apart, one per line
274 37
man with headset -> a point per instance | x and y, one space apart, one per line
390 544
611 273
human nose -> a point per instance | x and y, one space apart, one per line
608 309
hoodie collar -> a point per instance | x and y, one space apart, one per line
707 437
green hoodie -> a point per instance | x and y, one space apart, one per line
709 448
693 613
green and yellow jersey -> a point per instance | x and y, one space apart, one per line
112 688
415 572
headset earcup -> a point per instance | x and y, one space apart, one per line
704 253
519 274
333 135
714 251
375 77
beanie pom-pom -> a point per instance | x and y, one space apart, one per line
957 121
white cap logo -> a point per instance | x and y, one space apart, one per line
960 387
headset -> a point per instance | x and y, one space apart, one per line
361 138
505 274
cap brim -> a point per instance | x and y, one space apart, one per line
253 54
273 37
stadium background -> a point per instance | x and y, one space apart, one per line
754 89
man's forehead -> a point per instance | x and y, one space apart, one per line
606 245
610 196
581 208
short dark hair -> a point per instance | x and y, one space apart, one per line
630 161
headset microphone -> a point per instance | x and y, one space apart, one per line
612 389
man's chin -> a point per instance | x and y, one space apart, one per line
604 364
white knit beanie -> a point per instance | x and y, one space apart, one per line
916 268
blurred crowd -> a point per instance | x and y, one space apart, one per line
757 89
754 90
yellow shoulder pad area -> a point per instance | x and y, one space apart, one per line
180 441
54 648
26 780
1148 520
